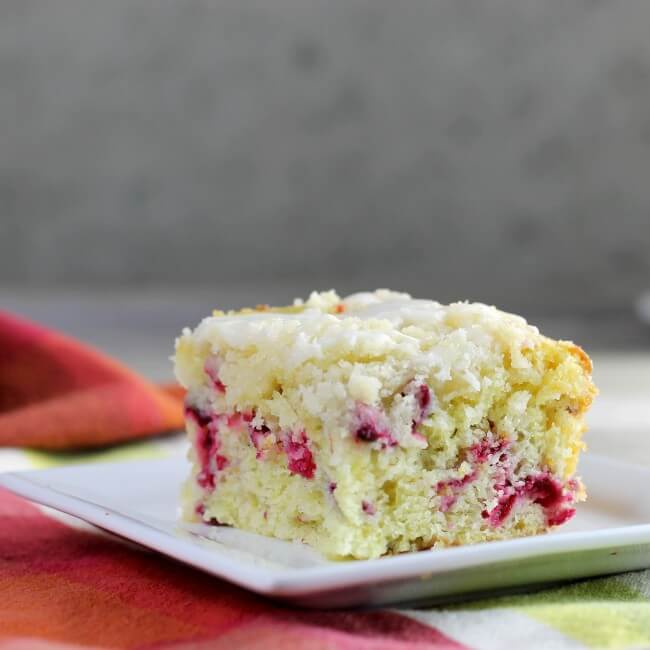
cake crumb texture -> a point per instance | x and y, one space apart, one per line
379 424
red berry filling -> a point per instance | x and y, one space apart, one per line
219 385
207 446
257 434
367 433
368 507
486 448
201 418
423 398
542 489
299 456
371 426
500 512
423 401
478 454
211 369
452 489
559 517
548 492
235 421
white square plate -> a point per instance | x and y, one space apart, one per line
138 500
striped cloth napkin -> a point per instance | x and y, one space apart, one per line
65 585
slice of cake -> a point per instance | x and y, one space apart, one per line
381 424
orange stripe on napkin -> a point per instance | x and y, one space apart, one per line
58 393
67 586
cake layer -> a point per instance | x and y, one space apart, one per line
380 424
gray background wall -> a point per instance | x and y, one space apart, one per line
459 148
